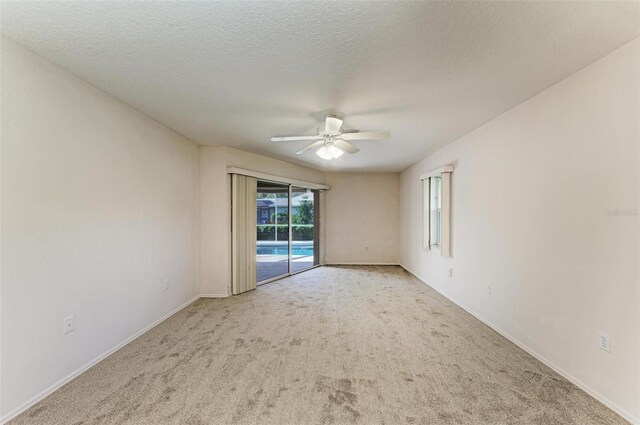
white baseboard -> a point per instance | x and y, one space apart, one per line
604 400
593 393
24 406
342 263
214 295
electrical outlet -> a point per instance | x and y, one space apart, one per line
166 284
450 272
603 342
67 325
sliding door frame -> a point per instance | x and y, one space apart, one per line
290 184
288 273
290 217
282 276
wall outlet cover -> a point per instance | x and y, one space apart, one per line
67 325
603 341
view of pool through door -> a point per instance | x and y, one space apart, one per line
287 230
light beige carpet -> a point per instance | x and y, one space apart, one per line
341 345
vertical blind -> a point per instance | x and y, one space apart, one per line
243 230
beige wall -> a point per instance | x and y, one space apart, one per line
215 195
345 236
99 205
530 194
362 214
215 223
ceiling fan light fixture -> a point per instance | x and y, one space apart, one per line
335 151
332 140
329 151
323 153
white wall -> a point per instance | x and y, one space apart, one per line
100 205
215 186
529 196
362 218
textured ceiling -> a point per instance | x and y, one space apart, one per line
237 73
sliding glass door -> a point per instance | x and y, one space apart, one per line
305 252
287 227
272 216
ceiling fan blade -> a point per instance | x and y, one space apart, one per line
311 146
368 135
294 138
332 125
345 146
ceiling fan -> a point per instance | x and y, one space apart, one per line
333 141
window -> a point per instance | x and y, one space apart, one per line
435 211
436 208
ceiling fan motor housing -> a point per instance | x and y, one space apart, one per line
331 139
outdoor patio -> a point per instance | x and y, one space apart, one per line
269 266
